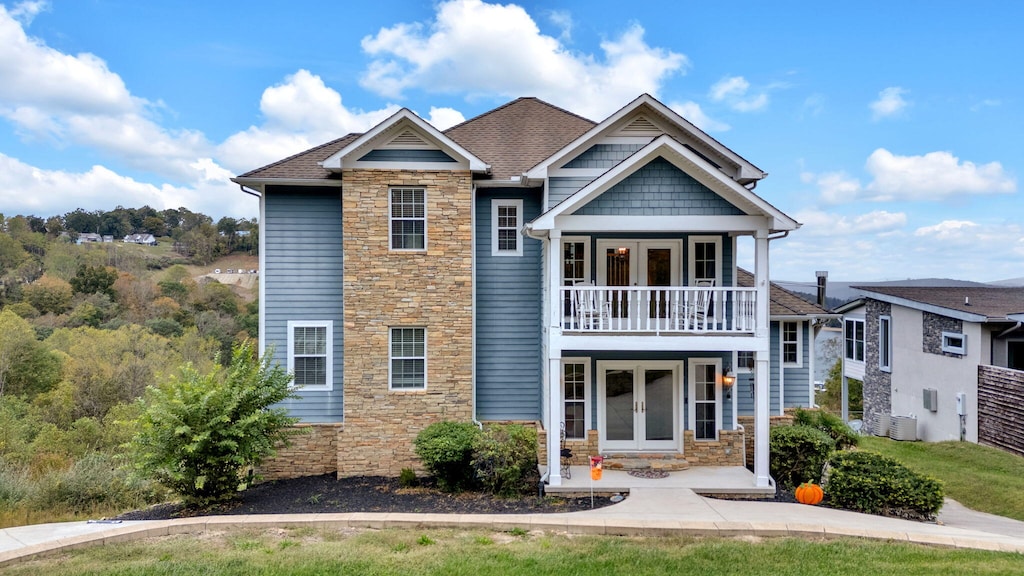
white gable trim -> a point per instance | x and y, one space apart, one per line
747 171
392 128
687 161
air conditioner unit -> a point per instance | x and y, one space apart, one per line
882 422
930 396
903 428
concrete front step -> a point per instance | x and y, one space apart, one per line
667 461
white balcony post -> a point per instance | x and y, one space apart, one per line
554 358
762 375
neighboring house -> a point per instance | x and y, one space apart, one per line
528 265
88 237
146 239
916 349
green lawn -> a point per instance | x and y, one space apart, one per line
478 553
978 477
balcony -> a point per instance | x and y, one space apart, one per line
658 310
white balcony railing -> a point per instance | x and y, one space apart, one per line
662 309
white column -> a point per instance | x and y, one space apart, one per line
554 359
761 356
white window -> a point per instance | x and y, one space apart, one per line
408 222
575 397
853 334
506 222
705 260
954 343
885 343
744 362
705 393
792 344
310 345
408 358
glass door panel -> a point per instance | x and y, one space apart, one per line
620 403
618 272
659 405
659 273
705 402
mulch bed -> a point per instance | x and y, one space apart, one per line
327 493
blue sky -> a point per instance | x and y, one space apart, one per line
892 131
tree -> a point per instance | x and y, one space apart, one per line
54 225
94 279
26 366
81 221
200 433
831 399
49 294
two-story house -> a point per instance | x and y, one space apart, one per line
527 265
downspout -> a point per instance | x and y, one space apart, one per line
782 370
472 332
250 192
1008 330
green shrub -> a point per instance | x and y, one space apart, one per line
876 484
199 433
830 424
798 454
446 449
15 485
407 479
505 459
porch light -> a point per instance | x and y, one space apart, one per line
727 379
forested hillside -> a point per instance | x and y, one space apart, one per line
86 327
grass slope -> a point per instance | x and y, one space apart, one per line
480 553
979 477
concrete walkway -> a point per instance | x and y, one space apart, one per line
646 512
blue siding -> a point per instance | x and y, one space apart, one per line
798 379
603 155
797 385
659 189
389 155
560 188
508 314
302 277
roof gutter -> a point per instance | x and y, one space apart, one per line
1011 329
250 191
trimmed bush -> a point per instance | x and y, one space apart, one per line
798 454
446 449
830 424
505 459
876 484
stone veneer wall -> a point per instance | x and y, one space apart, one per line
748 424
383 289
932 326
877 384
312 453
582 449
726 451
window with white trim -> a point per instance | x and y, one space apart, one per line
408 218
885 343
575 384
705 266
408 358
792 344
954 343
310 343
853 335
744 362
506 222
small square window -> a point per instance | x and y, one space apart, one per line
408 359
791 344
954 343
744 362
506 222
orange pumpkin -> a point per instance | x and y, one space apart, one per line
809 493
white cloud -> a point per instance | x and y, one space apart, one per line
26 12
932 176
836 187
813 105
733 90
445 118
692 112
948 230
818 223
562 19
479 48
890 103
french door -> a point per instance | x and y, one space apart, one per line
638 405
633 264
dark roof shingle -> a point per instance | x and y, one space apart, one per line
783 302
992 302
302 166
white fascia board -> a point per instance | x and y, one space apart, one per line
803 317
334 162
747 170
712 224
684 159
261 182
851 305
1016 317
915 305
663 343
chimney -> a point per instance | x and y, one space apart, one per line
822 282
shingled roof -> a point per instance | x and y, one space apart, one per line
302 166
783 302
992 302
517 136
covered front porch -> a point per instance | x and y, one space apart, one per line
723 481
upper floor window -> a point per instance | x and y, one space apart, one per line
853 335
408 358
705 261
885 343
744 361
506 221
954 343
791 344
309 349
408 221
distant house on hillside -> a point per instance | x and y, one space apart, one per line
146 239
88 237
